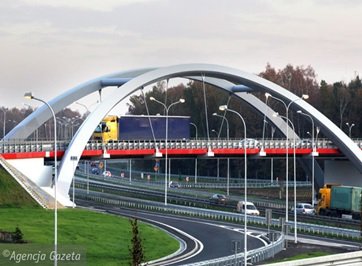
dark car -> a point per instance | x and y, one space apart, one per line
218 199
95 171
174 184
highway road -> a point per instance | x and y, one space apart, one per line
205 240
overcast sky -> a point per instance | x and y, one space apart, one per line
49 46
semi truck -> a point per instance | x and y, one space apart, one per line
138 127
336 200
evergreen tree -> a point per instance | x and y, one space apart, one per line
136 250
18 235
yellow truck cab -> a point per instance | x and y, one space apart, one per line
107 130
324 198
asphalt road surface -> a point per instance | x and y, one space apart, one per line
205 240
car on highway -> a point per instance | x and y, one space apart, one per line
249 206
174 184
218 199
304 208
107 174
95 171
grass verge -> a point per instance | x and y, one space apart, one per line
12 194
106 238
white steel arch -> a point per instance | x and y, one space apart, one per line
143 77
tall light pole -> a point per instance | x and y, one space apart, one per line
192 124
304 96
4 122
349 128
295 177
262 151
225 108
228 159
272 159
166 137
83 105
36 135
30 96
218 161
314 152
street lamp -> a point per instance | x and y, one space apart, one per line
192 124
349 128
216 133
167 109
83 105
225 108
304 96
314 152
4 123
272 159
295 177
228 159
30 96
218 160
262 151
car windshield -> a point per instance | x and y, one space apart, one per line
308 207
250 207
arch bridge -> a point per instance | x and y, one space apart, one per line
234 81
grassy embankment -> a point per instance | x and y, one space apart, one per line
106 238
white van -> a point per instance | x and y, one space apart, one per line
250 208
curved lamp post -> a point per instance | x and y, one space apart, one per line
295 177
228 159
350 128
225 108
30 96
194 125
166 137
304 96
314 152
4 123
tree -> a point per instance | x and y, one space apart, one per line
18 236
136 249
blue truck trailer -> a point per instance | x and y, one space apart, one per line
138 127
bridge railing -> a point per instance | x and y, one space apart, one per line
16 146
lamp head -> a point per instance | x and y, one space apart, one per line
182 100
152 98
276 114
223 107
267 95
214 114
28 95
305 96
299 112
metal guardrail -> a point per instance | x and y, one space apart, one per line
217 215
252 183
14 146
253 256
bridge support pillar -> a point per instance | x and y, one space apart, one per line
342 172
